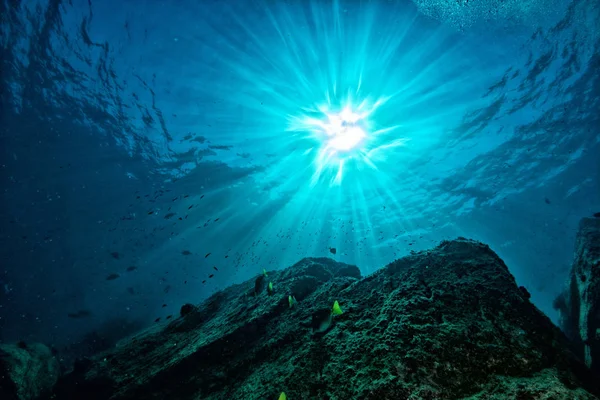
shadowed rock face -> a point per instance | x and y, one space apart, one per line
449 323
579 305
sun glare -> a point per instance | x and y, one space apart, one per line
341 134
344 130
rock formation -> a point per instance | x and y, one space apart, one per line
26 370
579 304
449 323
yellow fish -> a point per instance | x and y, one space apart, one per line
291 301
336 310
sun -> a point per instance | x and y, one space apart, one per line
341 133
344 130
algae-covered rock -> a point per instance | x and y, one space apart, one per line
449 323
26 371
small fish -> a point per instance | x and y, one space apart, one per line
79 314
132 268
169 215
115 255
264 272
336 310
190 207
547 200
215 268
157 319
186 252
112 277
332 250
150 212
211 275
597 215
167 289
207 254
270 288
292 301
169 317
259 284
164 305
131 290
204 281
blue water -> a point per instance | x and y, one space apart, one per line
138 137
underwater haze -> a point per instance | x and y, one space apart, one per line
155 152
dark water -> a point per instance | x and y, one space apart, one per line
153 153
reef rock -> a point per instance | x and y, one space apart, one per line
449 323
579 304
26 371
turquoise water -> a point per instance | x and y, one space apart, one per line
156 152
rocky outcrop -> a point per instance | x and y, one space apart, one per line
579 304
26 371
449 323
